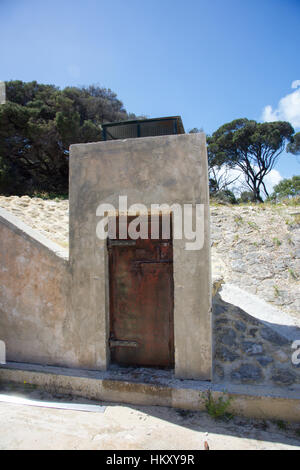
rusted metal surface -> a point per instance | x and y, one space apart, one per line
141 302
113 343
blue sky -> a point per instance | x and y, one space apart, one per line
210 61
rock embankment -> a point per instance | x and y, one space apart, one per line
249 351
258 249
254 247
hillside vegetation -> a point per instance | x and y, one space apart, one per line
39 122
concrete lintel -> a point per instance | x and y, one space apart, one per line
160 388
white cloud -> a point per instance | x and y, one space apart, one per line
273 178
288 108
296 84
269 115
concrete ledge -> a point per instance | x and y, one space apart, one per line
20 228
283 323
156 387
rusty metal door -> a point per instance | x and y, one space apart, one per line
141 302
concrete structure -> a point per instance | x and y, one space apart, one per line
153 387
167 169
54 308
34 296
55 311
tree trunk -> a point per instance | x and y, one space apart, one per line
257 196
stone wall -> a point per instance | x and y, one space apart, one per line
247 351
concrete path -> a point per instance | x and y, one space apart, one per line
130 427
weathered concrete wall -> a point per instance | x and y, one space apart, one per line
34 292
153 170
57 312
247 351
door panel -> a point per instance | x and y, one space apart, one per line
141 302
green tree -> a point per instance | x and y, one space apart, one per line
252 147
288 187
39 122
224 196
196 130
294 146
247 196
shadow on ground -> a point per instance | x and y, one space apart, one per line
266 433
